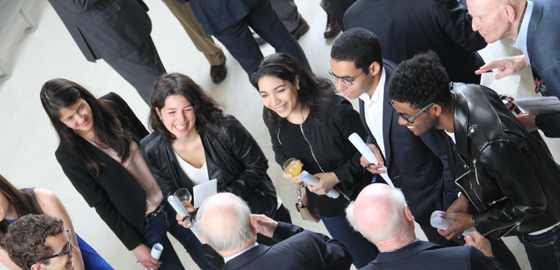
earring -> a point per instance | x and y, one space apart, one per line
161 119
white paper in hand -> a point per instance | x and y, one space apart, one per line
357 141
177 205
204 191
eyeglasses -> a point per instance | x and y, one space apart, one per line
345 80
67 252
411 119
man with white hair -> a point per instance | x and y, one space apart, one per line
535 26
381 215
227 225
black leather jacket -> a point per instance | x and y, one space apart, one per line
235 159
510 179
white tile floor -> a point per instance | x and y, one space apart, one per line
27 140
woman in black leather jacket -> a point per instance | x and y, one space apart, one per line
307 121
194 142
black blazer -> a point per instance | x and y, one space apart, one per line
543 38
417 164
107 29
425 255
296 249
408 27
116 196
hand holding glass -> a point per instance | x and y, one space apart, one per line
185 197
292 166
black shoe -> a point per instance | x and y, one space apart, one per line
258 38
218 73
301 29
332 29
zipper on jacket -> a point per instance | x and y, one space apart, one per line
313 154
496 201
463 189
514 225
475 172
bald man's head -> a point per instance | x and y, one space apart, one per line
380 212
224 221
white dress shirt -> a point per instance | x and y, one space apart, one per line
373 110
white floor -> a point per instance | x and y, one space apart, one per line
28 141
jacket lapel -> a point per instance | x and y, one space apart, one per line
388 114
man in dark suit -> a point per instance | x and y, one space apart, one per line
408 27
229 21
118 31
226 224
418 165
381 215
535 26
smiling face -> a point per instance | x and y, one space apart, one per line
421 123
490 19
78 117
178 116
361 82
280 96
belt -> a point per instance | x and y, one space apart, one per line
158 210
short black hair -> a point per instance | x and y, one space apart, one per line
360 46
420 81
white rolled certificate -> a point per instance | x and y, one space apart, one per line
177 205
312 180
156 251
444 223
357 141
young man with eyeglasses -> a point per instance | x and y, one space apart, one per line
39 242
417 165
510 183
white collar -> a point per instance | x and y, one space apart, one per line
229 258
521 40
378 95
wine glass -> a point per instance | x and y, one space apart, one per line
292 166
184 196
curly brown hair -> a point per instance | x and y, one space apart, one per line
25 241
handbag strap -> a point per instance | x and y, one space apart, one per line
299 202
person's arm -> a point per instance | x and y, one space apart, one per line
251 157
276 144
52 206
455 21
152 155
510 165
506 66
348 121
96 197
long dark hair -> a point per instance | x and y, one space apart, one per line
315 93
23 202
61 93
209 116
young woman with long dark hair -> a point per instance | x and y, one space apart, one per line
307 121
99 152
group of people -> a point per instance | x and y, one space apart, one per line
444 142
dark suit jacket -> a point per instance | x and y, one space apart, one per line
543 39
418 165
215 15
425 255
296 249
116 196
107 29
408 27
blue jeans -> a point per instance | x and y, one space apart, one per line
361 249
155 231
543 250
240 42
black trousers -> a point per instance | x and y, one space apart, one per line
140 68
